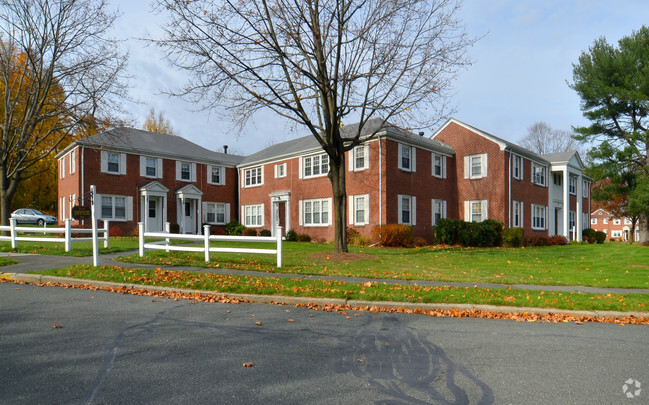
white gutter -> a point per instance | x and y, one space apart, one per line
510 189
380 184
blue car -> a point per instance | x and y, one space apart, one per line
32 216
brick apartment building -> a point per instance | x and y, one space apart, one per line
149 177
615 228
396 177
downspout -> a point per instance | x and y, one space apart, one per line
380 191
83 172
510 189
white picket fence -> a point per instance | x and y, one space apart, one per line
67 232
206 238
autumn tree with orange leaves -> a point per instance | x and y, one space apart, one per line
57 68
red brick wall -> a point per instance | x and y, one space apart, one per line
526 191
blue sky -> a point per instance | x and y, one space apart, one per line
519 76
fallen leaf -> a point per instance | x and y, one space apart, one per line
57 326
258 323
291 320
249 364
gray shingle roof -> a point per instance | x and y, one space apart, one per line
133 140
308 143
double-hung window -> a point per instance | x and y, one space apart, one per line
359 209
73 160
185 171
359 158
517 169
538 216
216 175
439 211
316 212
253 177
593 221
151 167
407 206
539 174
475 166
280 170
115 207
215 213
407 158
572 185
585 188
253 215
439 165
571 220
113 162
315 165
517 214
476 211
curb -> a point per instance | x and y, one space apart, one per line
284 300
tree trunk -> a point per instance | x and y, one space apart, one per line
337 178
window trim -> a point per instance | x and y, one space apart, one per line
412 158
280 173
353 166
442 165
258 177
412 209
215 204
443 205
128 207
320 165
542 176
468 166
320 223
258 215
468 210
572 185
535 219
209 174
121 162
517 213
353 202
517 167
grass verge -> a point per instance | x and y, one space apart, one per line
369 291
609 265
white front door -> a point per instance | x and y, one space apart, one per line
189 220
154 212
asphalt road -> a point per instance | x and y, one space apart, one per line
117 349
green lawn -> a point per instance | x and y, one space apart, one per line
5 261
357 291
79 249
607 265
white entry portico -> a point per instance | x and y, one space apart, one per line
153 206
188 211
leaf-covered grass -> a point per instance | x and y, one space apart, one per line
607 265
5 261
369 291
78 249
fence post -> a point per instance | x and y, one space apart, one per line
106 234
12 222
93 212
279 246
68 234
167 230
206 234
140 233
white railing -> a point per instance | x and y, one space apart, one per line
206 238
67 232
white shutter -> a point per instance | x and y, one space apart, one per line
227 213
223 170
331 209
483 160
299 173
467 211
177 170
485 209
193 172
129 208
367 156
209 173
444 212
400 147
367 209
351 210
159 167
522 216
104 161
413 209
122 163
467 167
443 167
400 208
351 156
142 166
204 212
301 211
243 215
520 176
242 176
413 159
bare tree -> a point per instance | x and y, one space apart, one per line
543 139
157 123
58 70
321 64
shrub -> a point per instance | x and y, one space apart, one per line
418 241
555 240
234 228
355 238
446 231
174 228
303 237
115 231
513 237
291 236
396 235
265 232
589 235
600 237
536 241
249 232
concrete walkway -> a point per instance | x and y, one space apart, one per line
35 262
